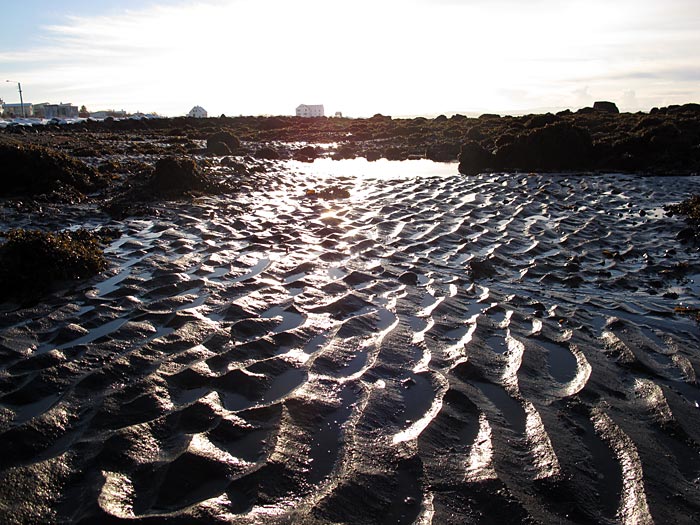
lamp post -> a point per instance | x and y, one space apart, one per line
21 101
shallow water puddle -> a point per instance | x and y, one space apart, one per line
511 409
290 320
562 363
259 267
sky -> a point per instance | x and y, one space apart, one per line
360 57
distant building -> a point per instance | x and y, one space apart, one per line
39 109
198 112
108 113
305 110
15 110
58 110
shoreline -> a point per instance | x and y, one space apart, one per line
664 141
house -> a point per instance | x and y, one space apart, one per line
305 110
198 112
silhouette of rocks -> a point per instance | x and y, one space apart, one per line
558 146
663 141
473 158
607 107
443 152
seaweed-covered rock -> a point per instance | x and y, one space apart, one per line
35 170
267 152
690 210
218 148
31 260
443 152
540 121
347 151
558 146
473 158
306 154
223 143
177 175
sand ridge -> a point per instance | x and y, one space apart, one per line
499 348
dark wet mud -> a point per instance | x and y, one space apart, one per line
437 348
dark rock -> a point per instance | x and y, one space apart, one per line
476 133
219 149
34 170
271 123
395 154
540 121
224 137
232 163
473 159
686 234
308 151
557 146
373 155
443 152
605 106
410 278
266 152
482 269
31 261
175 175
347 151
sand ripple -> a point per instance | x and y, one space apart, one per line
435 349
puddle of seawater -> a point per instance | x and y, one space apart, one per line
379 169
290 320
562 363
254 270
509 407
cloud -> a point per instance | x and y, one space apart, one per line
266 56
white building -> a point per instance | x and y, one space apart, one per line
305 110
198 112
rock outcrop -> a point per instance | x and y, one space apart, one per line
605 106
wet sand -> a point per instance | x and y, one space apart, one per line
437 348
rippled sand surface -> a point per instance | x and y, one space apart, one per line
435 349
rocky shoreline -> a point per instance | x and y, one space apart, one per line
663 141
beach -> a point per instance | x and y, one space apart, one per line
347 341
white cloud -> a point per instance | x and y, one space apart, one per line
415 56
